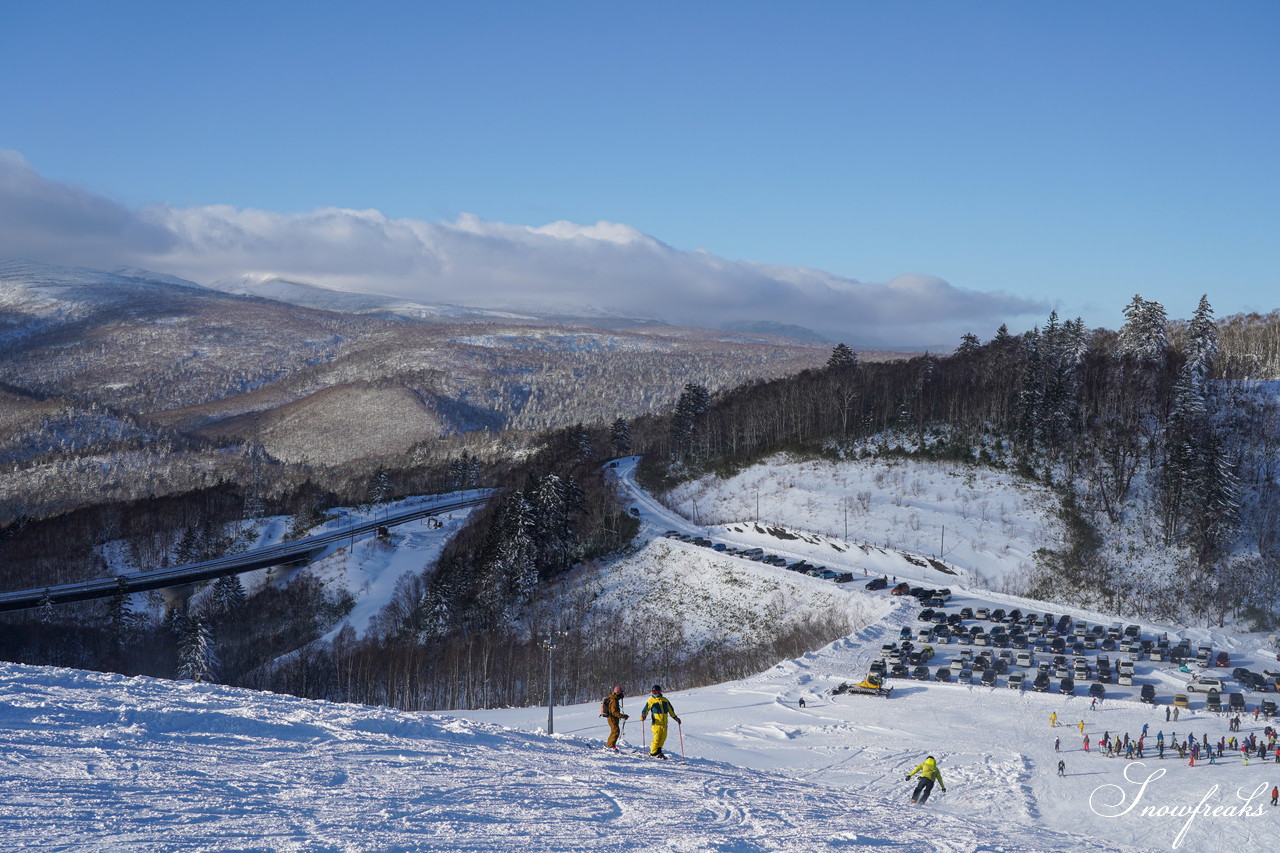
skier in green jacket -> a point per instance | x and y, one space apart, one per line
929 774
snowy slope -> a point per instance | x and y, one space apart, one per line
106 763
100 762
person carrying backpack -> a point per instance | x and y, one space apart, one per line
611 710
929 773
660 707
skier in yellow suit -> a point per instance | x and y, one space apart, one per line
1053 719
929 773
660 707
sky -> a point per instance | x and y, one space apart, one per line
882 172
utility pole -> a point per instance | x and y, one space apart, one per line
757 506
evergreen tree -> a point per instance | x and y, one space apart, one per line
969 343
197 659
692 404
380 487
842 356
620 437
1145 332
227 596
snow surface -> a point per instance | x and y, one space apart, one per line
102 762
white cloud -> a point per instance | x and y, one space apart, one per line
485 264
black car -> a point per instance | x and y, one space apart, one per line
920 673
1148 694
1041 683
966 612
877 583
989 677
1097 691
898 671
1067 687
1269 707
943 674
997 615
925 615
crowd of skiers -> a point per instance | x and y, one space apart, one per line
1190 748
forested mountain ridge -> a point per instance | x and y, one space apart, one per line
1160 437
128 384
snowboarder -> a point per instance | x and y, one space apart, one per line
611 710
660 707
1062 767
929 773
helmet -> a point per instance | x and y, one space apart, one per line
617 690
657 688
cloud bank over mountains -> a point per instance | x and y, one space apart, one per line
473 262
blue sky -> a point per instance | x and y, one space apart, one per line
1027 155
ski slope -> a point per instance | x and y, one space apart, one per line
104 763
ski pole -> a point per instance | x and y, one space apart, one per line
680 729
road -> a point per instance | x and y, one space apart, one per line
301 550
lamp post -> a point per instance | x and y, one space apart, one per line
549 639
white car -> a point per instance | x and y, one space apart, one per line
1204 685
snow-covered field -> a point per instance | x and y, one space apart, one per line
982 522
101 762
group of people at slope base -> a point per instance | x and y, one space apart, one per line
658 709
1260 746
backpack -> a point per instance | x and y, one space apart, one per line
604 705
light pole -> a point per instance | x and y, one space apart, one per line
549 639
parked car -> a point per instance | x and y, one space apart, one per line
877 583
1223 659
1180 700
943 673
899 670
1213 701
1268 707
1097 691
1041 683
989 677
901 589
1067 687
1236 702
920 673
1204 685
1148 694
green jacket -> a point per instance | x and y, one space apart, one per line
929 770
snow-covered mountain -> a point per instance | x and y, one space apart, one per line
268 286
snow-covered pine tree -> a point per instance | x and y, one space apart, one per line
227 595
197 659
380 487
842 356
620 437
1144 334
